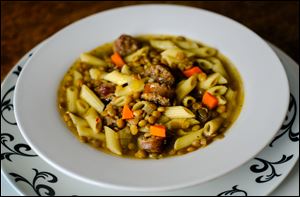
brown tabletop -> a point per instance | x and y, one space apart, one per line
25 24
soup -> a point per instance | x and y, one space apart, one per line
150 96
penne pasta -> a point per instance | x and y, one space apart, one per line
217 66
212 126
93 120
178 112
185 87
204 51
181 123
212 80
217 90
125 69
81 106
92 60
118 78
78 121
72 96
112 141
162 44
76 77
136 55
89 96
188 139
96 74
134 86
188 101
88 132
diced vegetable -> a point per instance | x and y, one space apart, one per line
127 113
117 60
209 100
158 130
191 71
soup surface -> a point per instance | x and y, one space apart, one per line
150 96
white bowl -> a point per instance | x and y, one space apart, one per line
265 105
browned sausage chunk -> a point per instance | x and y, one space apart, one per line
125 45
158 93
105 90
160 74
152 144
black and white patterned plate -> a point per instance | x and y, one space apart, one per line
30 175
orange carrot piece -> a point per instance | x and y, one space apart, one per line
158 130
192 71
209 100
117 60
127 113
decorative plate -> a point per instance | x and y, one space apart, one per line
39 122
30 175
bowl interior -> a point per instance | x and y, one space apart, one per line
261 71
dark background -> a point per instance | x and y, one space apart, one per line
25 24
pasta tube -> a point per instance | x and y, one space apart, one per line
134 86
188 139
81 106
93 120
90 97
217 90
88 132
181 123
92 60
95 73
136 55
212 126
77 121
76 76
118 78
112 141
204 51
188 101
185 87
72 96
212 80
178 112
162 44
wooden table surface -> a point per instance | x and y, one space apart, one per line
25 24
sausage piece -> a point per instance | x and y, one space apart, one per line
160 74
157 93
125 45
105 90
152 144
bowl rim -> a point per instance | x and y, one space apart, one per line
138 188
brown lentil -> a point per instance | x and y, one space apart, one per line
142 123
133 129
152 119
161 109
138 112
196 143
156 114
141 154
131 146
120 123
191 149
111 111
